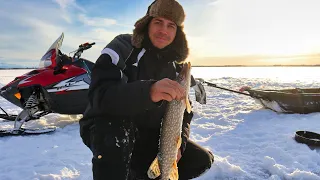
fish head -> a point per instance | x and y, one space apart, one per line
184 76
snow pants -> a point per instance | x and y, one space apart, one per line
123 152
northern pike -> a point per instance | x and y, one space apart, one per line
165 164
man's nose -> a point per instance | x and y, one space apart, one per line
163 30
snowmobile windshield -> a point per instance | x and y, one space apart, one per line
49 58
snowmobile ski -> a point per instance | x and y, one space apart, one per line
25 132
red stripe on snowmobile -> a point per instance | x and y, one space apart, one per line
46 78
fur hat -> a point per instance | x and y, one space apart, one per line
168 9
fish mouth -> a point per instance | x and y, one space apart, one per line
184 72
186 67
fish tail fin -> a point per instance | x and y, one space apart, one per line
174 175
154 169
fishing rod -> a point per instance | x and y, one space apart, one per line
215 86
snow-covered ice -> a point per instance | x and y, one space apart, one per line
248 142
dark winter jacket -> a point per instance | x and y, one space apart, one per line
120 87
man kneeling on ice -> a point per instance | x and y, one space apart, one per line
133 81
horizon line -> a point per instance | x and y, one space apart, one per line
301 65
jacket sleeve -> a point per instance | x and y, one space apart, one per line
109 92
185 130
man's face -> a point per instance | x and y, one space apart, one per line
162 32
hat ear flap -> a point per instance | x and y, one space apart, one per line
180 45
138 33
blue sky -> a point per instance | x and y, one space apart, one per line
30 27
214 28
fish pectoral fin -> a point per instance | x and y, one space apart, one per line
188 106
179 142
154 169
174 175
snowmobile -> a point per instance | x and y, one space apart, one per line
59 85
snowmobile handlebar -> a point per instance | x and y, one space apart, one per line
85 46
80 50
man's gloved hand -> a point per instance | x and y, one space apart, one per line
200 92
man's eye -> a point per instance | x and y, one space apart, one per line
172 26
